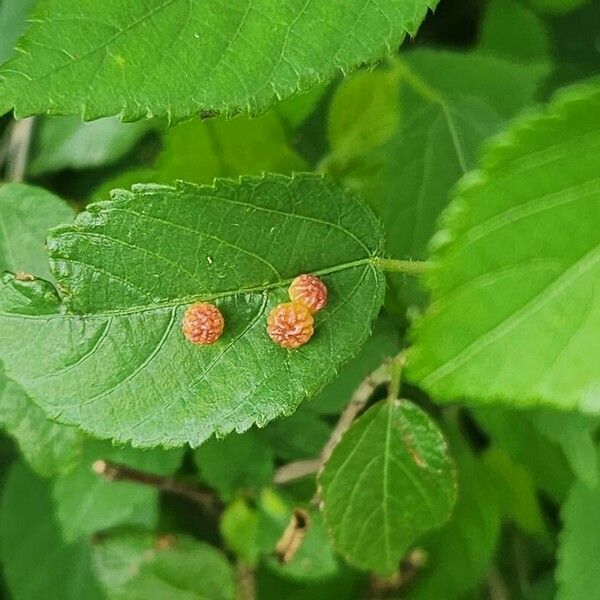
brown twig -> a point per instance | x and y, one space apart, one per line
246 583
116 472
302 468
18 149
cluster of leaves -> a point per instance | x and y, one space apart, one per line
200 150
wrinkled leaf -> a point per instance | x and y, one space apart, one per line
128 269
115 57
388 481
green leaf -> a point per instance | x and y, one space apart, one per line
36 562
49 448
516 432
314 559
201 150
67 143
383 344
116 58
13 14
239 529
515 491
26 214
235 464
514 316
557 7
301 436
128 269
574 434
389 481
577 571
86 503
449 103
141 566
459 554
510 29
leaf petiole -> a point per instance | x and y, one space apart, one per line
410 267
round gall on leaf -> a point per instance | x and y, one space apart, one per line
203 323
309 290
290 325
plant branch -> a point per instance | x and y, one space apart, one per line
302 468
116 472
410 267
18 149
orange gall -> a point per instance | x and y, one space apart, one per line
290 325
203 323
309 290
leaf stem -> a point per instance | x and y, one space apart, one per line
302 468
410 267
116 472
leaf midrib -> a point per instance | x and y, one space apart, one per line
176 303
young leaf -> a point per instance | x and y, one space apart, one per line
49 448
235 463
388 481
514 314
177 58
141 566
67 143
37 563
86 503
109 354
577 571
449 102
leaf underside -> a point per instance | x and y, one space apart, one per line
114 57
108 355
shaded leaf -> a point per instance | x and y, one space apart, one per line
449 103
235 464
49 448
13 15
86 503
142 566
577 571
114 58
383 344
37 563
68 143
514 313
389 481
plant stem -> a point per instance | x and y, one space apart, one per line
396 369
18 149
302 468
410 267
116 472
